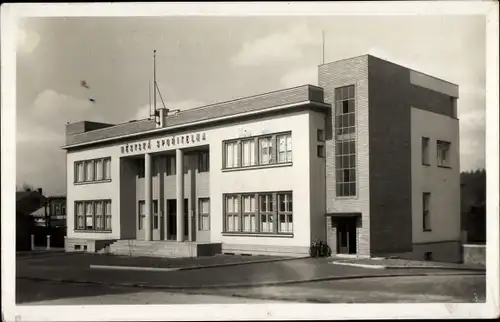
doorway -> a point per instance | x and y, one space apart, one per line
346 235
172 219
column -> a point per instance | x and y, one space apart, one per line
191 200
179 163
148 184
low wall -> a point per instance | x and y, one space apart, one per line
447 252
474 254
242 249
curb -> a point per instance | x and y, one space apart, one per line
240 285
189 268
372 266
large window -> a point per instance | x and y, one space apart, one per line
345 153
248 152
204 161
232 213
249 213
345 110
204 214
426 199
266 150
156 216
262 150
443 153
285 217
93 215
267 213
172 165
93 170
345 162
425 151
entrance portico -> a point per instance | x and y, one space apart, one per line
166 193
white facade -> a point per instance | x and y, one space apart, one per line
304 177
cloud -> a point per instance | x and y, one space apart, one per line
144 111
27 40
277 47
302 76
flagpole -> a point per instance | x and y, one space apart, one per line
149 96
154 83
323 56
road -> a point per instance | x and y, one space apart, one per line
233 282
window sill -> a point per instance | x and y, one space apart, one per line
346 197
427 230
265 166
444 166
243 234
92 231
426 164
91 182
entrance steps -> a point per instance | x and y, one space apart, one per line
131 247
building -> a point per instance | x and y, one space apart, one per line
52 213
368 161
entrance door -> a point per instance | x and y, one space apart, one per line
172 219
346 235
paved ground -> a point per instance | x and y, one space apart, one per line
77 268
396 262
49 293
402 289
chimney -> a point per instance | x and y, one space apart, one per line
162 115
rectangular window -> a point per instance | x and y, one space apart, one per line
261 150
248 152
99 169
171 165
345 165
265 150
321 136
285 213
321 151
232 154
249 213
93 215
284 148
204 161
89 171
89 215
141 214
426 211
425 151
57 209
232 214
345 143
204 214
107 214
92 170
107 168
266 213
99 215
443 153
155 215
80 215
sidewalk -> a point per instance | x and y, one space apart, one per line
390 263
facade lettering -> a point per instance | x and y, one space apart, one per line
174 140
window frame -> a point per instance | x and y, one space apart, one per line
273 151
320 135
270 212
443 147
202 215
425 149
204 161
94 216
426 212
94 162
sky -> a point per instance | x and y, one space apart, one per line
204 60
